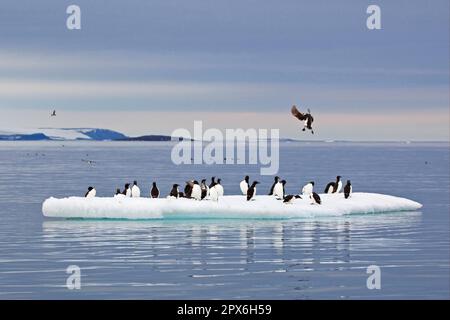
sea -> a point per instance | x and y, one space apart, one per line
309 258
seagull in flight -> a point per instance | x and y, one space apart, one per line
307 118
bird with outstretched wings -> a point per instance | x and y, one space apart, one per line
307 118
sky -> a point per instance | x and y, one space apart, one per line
152 66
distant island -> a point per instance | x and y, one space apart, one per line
77 134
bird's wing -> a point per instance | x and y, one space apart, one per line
297 114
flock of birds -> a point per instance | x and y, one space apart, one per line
213 191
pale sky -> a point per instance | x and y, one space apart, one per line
149 67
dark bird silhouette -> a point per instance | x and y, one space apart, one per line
290 198
276 180
348 189
251 192
213 182
204 188
333 187
53 114
174 192
307 118
315 198
154 192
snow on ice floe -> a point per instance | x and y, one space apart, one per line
233 207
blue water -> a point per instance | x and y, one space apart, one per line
194 259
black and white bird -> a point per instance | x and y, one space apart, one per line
315 199
307 118
244 185
119 194
348 189
334 187
174 192
127 190
53 114
278 190
90 193
135 191
290 198
188 188
276 180
213 182
219 188
154 192
308 188
251 192
196 191
213 194
205 189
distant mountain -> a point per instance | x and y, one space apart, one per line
62 134
148 138
24 137
103 134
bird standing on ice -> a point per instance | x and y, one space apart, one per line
174 192
205 189
276 180
213 182
196 190
334 187
348 189
305 117
315 199
188 188
135 191
251 192
154 192
219 188
308 188
244 185
90 193
127 190
278 190
213 194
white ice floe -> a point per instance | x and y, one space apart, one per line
263 207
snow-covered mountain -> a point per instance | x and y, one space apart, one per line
61 134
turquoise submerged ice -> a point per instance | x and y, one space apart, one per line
263 207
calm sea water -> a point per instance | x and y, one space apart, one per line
246 259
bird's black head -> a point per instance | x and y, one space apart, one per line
135 182
127 185
213 178
246 178
195 182
90 188
283 182
154 184
117 191
203 180
176 185
219 180
312 182
338 178
255 183
348 182
277 178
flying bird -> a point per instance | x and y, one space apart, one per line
53 114
307 118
